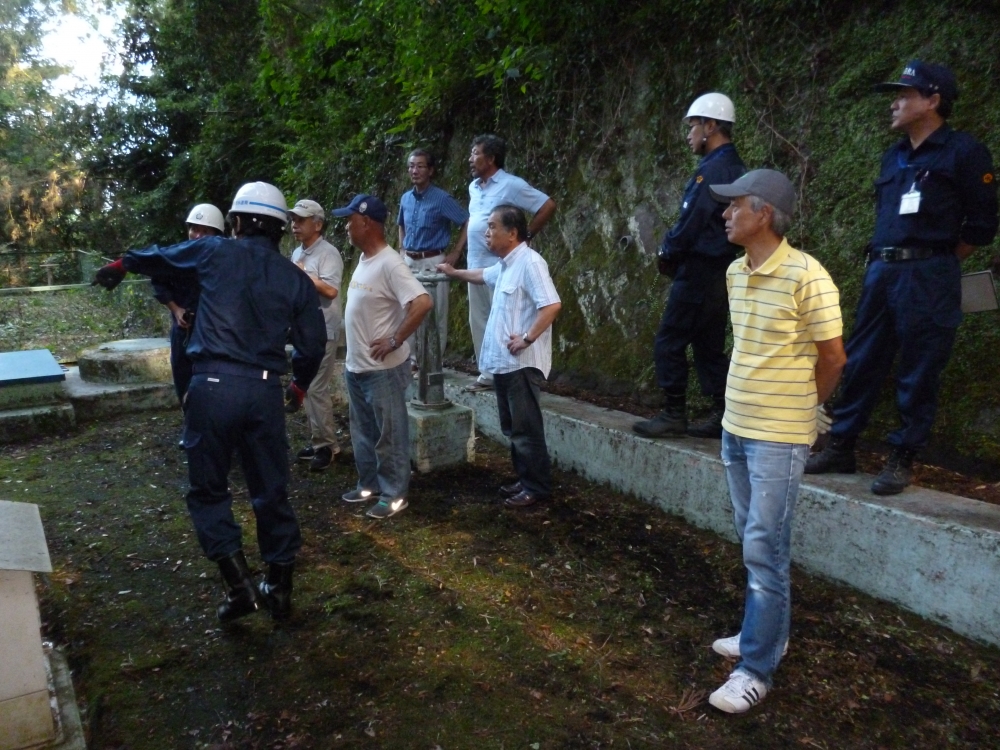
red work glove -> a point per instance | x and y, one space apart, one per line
110 276
293 398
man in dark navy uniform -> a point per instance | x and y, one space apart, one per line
936 200
696 253
252 301
181 298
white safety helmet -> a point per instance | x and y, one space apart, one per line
206 215
260 198
712 107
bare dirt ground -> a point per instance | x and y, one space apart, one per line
584 623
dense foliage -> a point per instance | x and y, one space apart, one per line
43 187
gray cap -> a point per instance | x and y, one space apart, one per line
768 184
307 208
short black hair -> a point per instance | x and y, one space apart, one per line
492 145
944 108
512 217
257 225
725 127
428 156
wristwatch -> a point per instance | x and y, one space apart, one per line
526 340
392 343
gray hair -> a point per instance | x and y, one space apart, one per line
780 221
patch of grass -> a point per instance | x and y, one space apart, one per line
586 623
67 322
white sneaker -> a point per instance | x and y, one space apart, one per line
730 647
357 496
387 508
741 692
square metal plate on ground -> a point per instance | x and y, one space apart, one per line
28 367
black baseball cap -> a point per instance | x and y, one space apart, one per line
927 78
366 205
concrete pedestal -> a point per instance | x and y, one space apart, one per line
441 436
25 712
127 361
32 398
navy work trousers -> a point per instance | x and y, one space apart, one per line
521 421
696 314
234 412
180 365
911 307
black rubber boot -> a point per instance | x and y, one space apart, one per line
671 422
836 458
711 425
897 474
242 599
276 589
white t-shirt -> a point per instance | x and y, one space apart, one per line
322 260
380 288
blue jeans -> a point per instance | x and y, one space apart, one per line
380 429
763 485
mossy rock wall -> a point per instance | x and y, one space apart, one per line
613 156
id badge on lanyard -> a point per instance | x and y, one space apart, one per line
910 202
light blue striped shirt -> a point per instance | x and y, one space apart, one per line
521 286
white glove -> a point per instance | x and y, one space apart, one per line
824 420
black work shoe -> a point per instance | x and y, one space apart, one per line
711 425
836 458
321 459
276 589
509 490
242 599
668 423
897 474
524 499
305 454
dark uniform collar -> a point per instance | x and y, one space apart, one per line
724 148
938 138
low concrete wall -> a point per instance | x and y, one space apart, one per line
935 554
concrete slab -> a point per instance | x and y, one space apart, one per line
25 715
69 728
127 361
22 538
96 400
32 394
935 554
18 425
441 437
29 366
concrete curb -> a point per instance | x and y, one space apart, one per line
935 554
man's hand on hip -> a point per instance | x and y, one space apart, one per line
381 348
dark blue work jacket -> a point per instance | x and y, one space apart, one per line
958 193
182 291
700 228
253 300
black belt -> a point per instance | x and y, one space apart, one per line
423 253
221 367
893 254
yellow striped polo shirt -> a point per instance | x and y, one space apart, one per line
778 311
